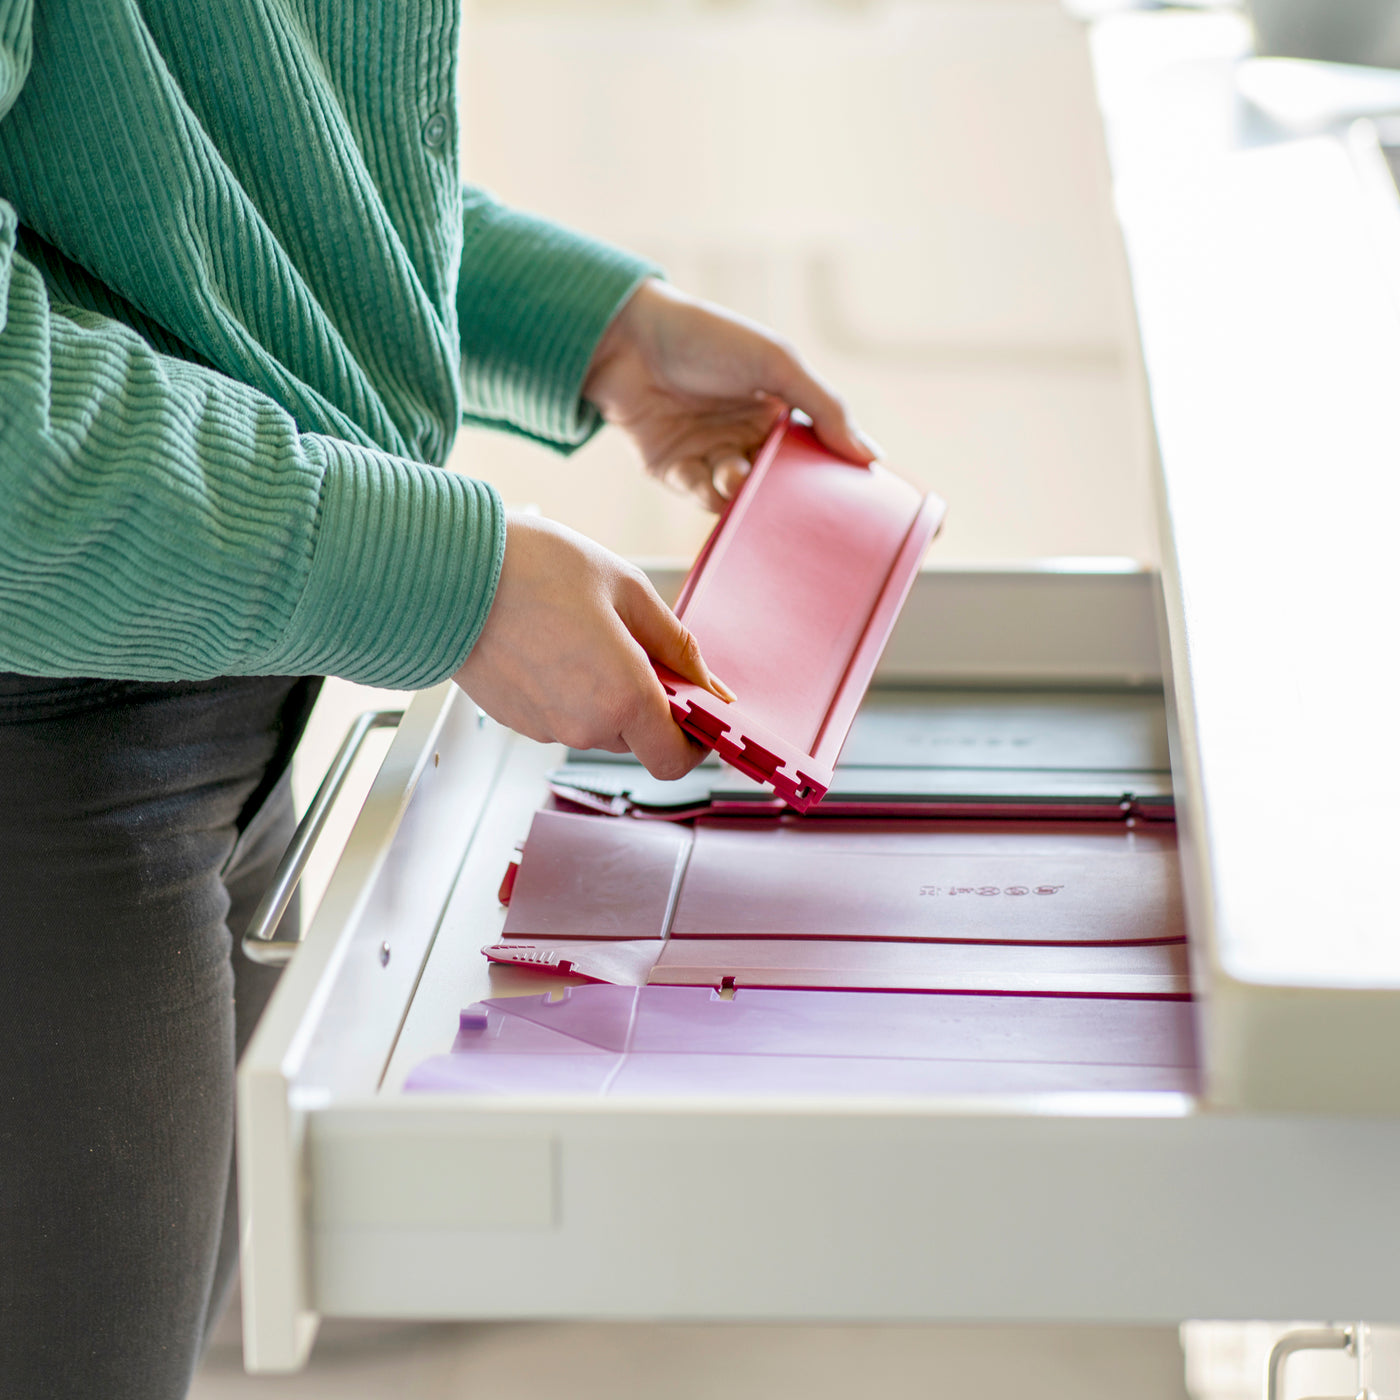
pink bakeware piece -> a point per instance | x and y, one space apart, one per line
911 881
1032 908
1153 970
792 600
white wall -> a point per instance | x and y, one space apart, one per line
912 190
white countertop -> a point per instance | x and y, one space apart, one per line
1261 257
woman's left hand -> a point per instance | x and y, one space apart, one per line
699 389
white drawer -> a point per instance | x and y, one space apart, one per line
363 1200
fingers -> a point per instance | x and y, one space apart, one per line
662 635
713 479
661 746
693 476
728 475
645 724
564 654
795 384
652 734
682 376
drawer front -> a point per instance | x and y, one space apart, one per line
1141 1212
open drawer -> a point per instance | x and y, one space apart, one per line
362 1199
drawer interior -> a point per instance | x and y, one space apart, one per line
987 902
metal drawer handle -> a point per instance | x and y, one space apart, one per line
258 942
1352 1340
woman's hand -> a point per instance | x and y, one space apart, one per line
563 655
699 389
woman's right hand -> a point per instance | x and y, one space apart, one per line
564 655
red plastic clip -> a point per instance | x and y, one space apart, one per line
507 887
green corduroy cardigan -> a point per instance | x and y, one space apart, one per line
245 303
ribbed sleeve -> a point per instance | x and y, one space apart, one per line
403 572
159 521
232 351
533 300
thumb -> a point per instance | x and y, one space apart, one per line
665 638
796 385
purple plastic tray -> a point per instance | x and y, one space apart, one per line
626 1042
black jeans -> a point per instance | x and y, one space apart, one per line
139 825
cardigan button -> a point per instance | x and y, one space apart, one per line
435 131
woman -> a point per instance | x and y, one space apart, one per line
246 305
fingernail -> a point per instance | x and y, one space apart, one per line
719 688
869 443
